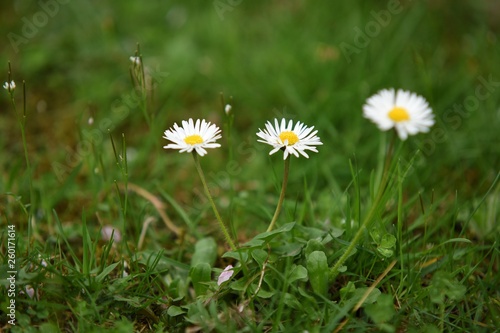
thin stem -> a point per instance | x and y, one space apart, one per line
139 81
387 163
400 224
21 119
229 118
22 124
209 196
441 317
335 269
282 195
369 217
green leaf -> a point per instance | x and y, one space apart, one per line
205 251
241 254
259 256
347 290
310 233
385 252
48 328
336 232
388 241
239 285
143 257
430 329
291 301
352 294
317 268
133 301
375 235
242 285
297 272
456 240
372 297
264 293
122 325
443 286
200 276
313 245
342 268
175 311
265 237
288 250
381 311
105 272
386 245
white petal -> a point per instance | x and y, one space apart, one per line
226 274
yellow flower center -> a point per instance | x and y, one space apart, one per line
290 136
399 114
193 139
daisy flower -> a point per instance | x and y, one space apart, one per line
198 137
193 136
407 112
291 139
9 86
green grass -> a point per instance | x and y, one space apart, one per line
433 242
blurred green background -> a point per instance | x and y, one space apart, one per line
308 61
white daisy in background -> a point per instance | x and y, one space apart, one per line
407 112
193 136
291 139
9 86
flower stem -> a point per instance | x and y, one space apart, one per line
209 196
21 119
334 271
282 195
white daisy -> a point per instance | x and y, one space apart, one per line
291 139
9 86
197 136
407 112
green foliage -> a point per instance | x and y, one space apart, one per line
385 243
205 252
443 287
382 310
317 269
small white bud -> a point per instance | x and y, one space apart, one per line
227 109
9 86
135 60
